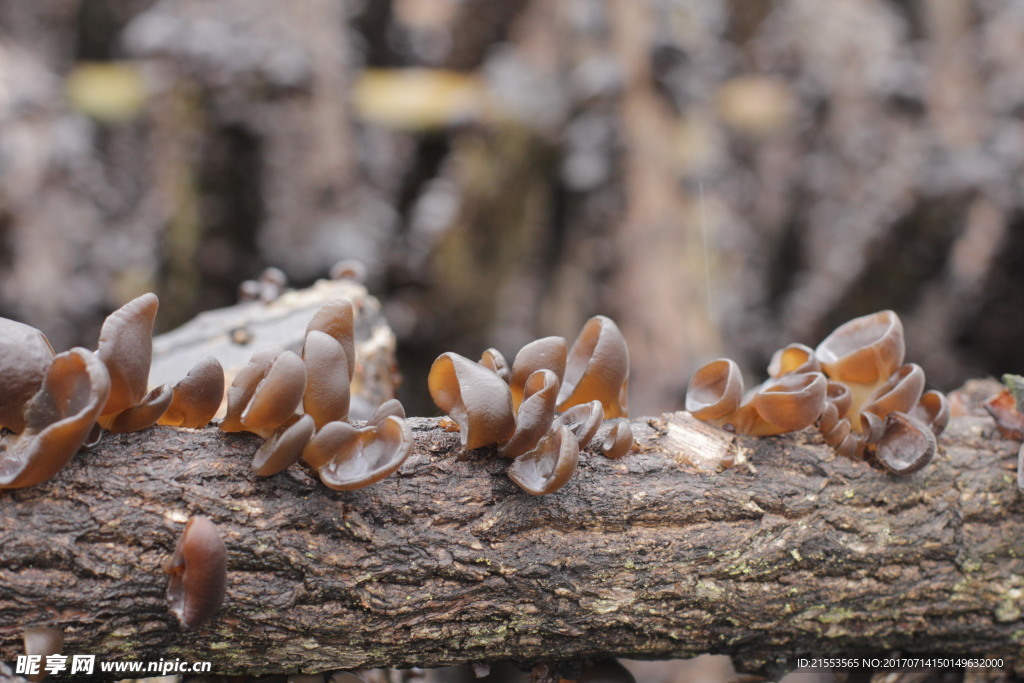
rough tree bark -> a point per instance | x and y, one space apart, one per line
657 555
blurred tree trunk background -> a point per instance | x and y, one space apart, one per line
720 176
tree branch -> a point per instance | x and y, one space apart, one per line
793 550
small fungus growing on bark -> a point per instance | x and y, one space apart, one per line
265 393
906 445
299 406
25 354
597 368
782 404
715 390
337 319
328 383
535 415
390 407
197 397
42 641
348 458
492 359
57 419
549 465
277 395
284 447
126 348
475 397
793 359
619 439
583 421
548 353
863 351
198 573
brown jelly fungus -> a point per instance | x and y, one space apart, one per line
198 573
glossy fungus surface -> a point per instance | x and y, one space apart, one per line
619 439
284 447
327 394
349 458
198 573
146 414
788 403
390 407
42 641
277 396
337 319
547 353
864 350
933 410
597 368
583 421
25 353
244 386
549 465
536 413
126 348
58 419
906 444
715 390
495 361
197 397
474 397
793 359
870 406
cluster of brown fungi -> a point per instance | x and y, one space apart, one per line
866 402
299 405
539 412
545 408
55 404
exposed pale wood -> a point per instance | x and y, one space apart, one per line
232 334
793 550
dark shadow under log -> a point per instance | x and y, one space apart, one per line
656 555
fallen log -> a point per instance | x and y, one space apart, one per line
661 554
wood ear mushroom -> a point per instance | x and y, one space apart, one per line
597 368
126 348
536 413
197 397
327 393
42 641
58 419
869 404
284 447
348 458
549 392
198 573
265 393
549 465
25 353
474 397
